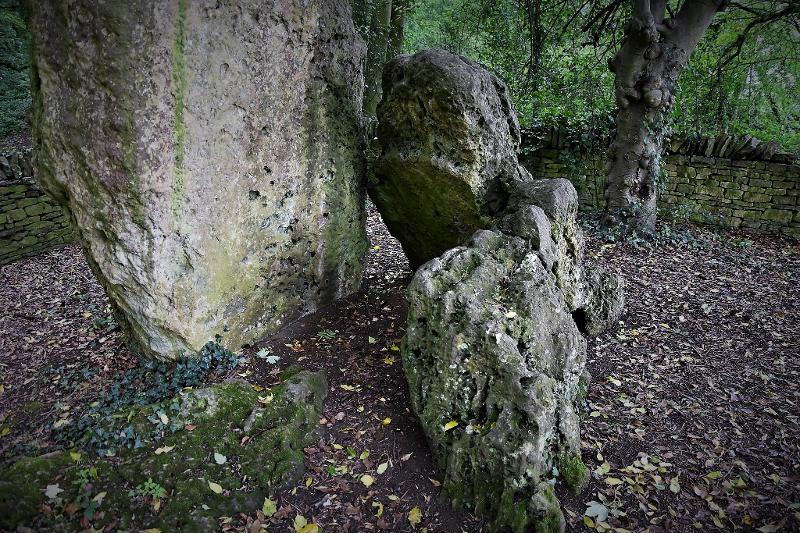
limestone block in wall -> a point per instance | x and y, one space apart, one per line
210 154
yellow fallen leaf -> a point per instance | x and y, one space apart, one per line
415 517
382 467
613 481
367 480
379 505
389 360
309 528
308 482
75 456
269 508
387 421
216 487
450 425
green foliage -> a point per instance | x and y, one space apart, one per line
15 96
148 489
557 73
105 426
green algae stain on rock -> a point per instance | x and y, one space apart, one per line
179 127
262 434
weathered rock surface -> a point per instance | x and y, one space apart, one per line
491 345
209 154
261 443
493 352
449 140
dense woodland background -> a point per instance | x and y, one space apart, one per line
553 55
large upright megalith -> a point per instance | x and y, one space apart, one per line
209 153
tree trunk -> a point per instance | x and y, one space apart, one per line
646 67
377 46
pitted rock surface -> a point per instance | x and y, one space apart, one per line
491 345
209 155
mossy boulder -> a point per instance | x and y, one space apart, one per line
448 167
217 186
494 362
449 140
260 435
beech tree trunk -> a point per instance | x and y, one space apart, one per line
646 67
381 24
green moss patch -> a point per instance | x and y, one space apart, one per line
236 446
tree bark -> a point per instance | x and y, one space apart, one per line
377 46
646 67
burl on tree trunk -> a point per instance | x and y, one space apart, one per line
646 67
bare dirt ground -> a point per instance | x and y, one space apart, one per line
691 421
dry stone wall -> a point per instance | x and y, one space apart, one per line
763 195
30 221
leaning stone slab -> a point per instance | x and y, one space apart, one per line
210 155
494 362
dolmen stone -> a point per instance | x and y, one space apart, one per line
494 362
494 350
449 141
217 185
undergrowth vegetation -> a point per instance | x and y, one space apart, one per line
105 426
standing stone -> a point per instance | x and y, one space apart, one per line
449 140
210 156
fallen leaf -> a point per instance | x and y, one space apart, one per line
164 449
450 425
215 487
415 517
52 491
269 507
219 458
367 480
382 468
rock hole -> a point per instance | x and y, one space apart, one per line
254 195
579 316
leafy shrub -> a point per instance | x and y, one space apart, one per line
15 94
